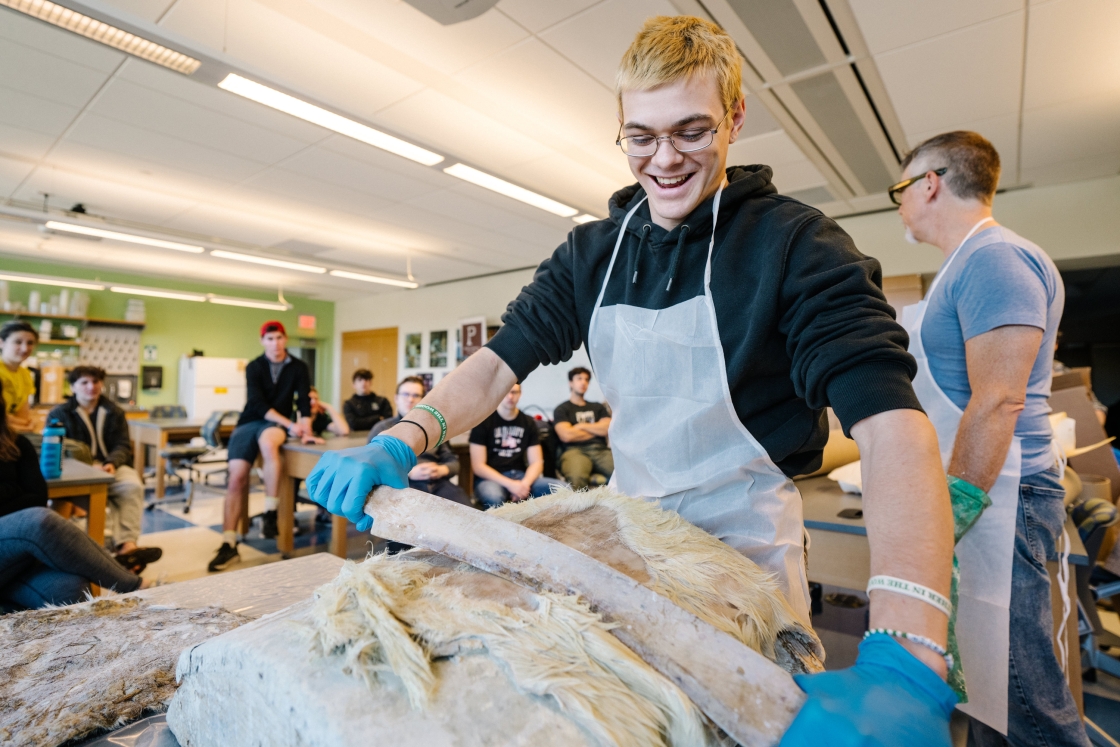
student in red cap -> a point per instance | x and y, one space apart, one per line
277 386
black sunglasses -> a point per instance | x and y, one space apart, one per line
896 189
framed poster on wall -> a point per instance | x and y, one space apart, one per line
413 348
472 335
437 348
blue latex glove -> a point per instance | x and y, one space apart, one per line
887 698
342 479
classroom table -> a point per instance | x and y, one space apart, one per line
299 459
80 480
157 433
840 556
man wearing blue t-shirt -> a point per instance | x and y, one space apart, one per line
984 341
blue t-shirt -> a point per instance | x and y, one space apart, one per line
997 278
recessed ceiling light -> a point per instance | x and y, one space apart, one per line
131 238
249 303
317 115
158 293
41 280
585 218
91 28
501 186
374 279
266 261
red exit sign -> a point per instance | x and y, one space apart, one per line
307 321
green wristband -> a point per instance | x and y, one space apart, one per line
439 418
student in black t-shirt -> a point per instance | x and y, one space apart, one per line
365 409
506 455
582 427
324 418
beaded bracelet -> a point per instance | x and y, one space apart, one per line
921 640
911 589
422 430
439 417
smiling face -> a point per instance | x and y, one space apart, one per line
17 348
678 182
87 390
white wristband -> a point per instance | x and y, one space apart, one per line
917 591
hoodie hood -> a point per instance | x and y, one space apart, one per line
744 182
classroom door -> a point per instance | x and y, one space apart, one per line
375 349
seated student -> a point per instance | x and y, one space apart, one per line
273 381
582 426
435 467
44 559
17 344
506 455
365 409
99 422
324 418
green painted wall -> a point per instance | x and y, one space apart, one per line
178 327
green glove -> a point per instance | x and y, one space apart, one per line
968 502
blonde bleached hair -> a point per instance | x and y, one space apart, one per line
669 48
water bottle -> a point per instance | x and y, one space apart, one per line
50 455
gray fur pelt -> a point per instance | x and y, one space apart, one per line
68 672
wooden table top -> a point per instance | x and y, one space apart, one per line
332 444
80 473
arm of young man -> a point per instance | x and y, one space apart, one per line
571 434
338 425
117 440
21 421
999 367
598 429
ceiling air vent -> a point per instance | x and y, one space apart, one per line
448 12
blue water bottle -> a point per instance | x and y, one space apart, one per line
50 455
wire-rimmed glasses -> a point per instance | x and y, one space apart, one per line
684 141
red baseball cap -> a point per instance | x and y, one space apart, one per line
273 326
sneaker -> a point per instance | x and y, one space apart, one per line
137 560
227 556
268 525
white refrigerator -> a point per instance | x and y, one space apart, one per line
209 384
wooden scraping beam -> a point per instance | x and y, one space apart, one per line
746 694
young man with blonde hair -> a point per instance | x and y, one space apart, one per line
721 319
984 341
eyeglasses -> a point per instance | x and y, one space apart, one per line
684 141
895 190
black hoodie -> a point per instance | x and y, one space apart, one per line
801 313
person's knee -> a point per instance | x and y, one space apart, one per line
238 473
38 521
490 493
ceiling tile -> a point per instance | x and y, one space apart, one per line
47 76
1071 131
772 149
1069 171
118 137
20 109
12 172
596 39
234 224
789 177
461 130
150 110
890 24
312 64
203 21
545 88
300 187
24 143
324 166
55 42
924 80
1072 51
144 203
537 16
148 10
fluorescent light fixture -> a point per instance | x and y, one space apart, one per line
41 280
111 36
222 254
493 183
585 218
249 303
374 279
158 293
317 115
131 238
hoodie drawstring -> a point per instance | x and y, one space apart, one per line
677 256
638 258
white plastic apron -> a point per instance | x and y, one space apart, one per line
985 553
675 435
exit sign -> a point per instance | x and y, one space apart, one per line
307 321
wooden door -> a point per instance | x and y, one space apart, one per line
375 349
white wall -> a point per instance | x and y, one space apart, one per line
1069 221
440 307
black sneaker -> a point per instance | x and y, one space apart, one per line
268 525
137 560
227 556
